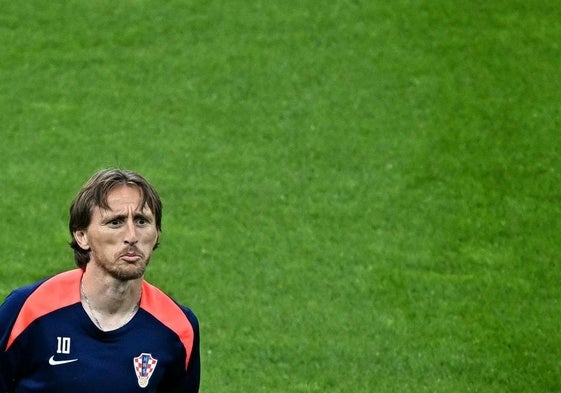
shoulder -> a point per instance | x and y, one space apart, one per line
18 297
27 304
15 301
179 319
51 293
164 307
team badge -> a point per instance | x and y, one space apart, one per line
144 366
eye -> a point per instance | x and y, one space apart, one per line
114 222
142 221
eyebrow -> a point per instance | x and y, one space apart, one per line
108 215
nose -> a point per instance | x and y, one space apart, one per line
131 236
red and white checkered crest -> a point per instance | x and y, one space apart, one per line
144 366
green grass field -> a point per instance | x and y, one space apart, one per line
359 196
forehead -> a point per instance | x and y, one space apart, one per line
123 198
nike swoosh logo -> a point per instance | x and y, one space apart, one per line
54 362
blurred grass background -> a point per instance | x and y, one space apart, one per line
358 196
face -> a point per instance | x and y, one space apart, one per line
121 239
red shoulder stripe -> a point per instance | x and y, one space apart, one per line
163 308
59 291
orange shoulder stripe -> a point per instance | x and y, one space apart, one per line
59 291
163 308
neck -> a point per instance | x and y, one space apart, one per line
110 303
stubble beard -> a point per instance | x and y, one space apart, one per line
127 271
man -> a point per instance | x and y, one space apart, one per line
102 327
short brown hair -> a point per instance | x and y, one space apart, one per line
94 194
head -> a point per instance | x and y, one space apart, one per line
93 194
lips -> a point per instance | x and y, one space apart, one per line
131 256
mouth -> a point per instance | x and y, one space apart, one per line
131 257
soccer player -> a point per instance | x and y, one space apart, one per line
102 327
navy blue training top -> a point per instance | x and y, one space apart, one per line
49 344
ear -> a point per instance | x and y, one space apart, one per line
81 238
157 242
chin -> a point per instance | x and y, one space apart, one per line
131 273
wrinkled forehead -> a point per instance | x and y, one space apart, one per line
124 199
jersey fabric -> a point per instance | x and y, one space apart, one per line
49 344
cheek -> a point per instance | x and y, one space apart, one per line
151 237
105 239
